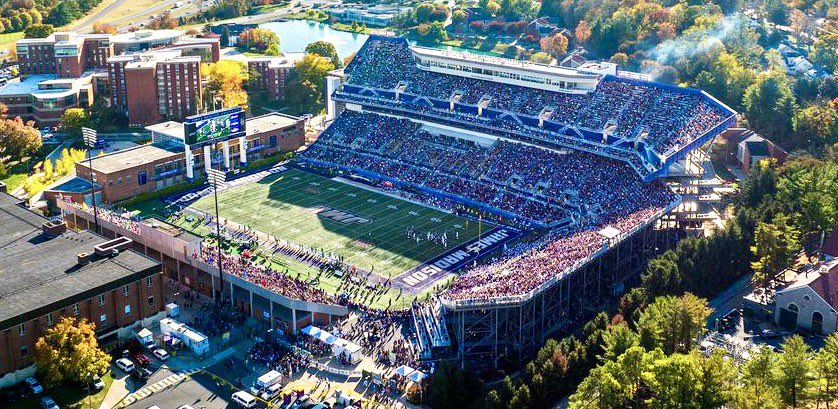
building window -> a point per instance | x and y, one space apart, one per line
101 299
21 329
49 319
142 177
76 309
150 300
125 290
103 318
148 281
128 309
24 351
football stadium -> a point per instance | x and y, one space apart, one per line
512 199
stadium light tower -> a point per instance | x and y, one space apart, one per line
90 139
217 177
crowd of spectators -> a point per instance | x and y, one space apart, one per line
538 184
263 276
279 357
662 118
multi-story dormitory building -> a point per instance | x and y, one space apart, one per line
148 75
48 272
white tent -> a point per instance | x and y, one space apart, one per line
339 346
353 352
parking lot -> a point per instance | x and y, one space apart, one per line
199 391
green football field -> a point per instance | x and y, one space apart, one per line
367 228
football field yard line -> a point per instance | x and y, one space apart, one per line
280 205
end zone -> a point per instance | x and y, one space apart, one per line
427 274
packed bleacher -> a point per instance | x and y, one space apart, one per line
536 183
263 276
660 117
542 185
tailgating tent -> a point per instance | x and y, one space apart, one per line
353 352
404 370
311 331
326 337
339 346
417 376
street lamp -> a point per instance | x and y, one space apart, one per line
90 139
217 177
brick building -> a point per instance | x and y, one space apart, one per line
152 167
44 276
103 59
272 74
157 87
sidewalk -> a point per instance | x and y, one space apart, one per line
119 389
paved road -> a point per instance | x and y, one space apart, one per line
728 299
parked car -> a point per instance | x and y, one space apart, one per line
141 360
142 373
34 386
161 354
125 364
97 383
48 403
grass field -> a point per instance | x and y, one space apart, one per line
286 205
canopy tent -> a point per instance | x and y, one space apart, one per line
417 376
404 370
353 352
311 331
326 337
339 346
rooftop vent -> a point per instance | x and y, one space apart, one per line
113 247
83 258
54 228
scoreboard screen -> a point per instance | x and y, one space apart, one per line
214 126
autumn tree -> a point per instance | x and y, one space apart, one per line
101 27
18 139
258 39
225 80
39 30
555 44
582 32
69 351
73 120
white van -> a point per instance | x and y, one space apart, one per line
125 364
244 399
265 381
272 391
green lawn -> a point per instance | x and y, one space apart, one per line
9 37
286 205
13 180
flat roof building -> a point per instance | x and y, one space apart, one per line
149 168
48 272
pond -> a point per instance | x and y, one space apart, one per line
295 35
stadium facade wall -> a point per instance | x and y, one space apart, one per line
176 254
502 336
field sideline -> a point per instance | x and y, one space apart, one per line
305 209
